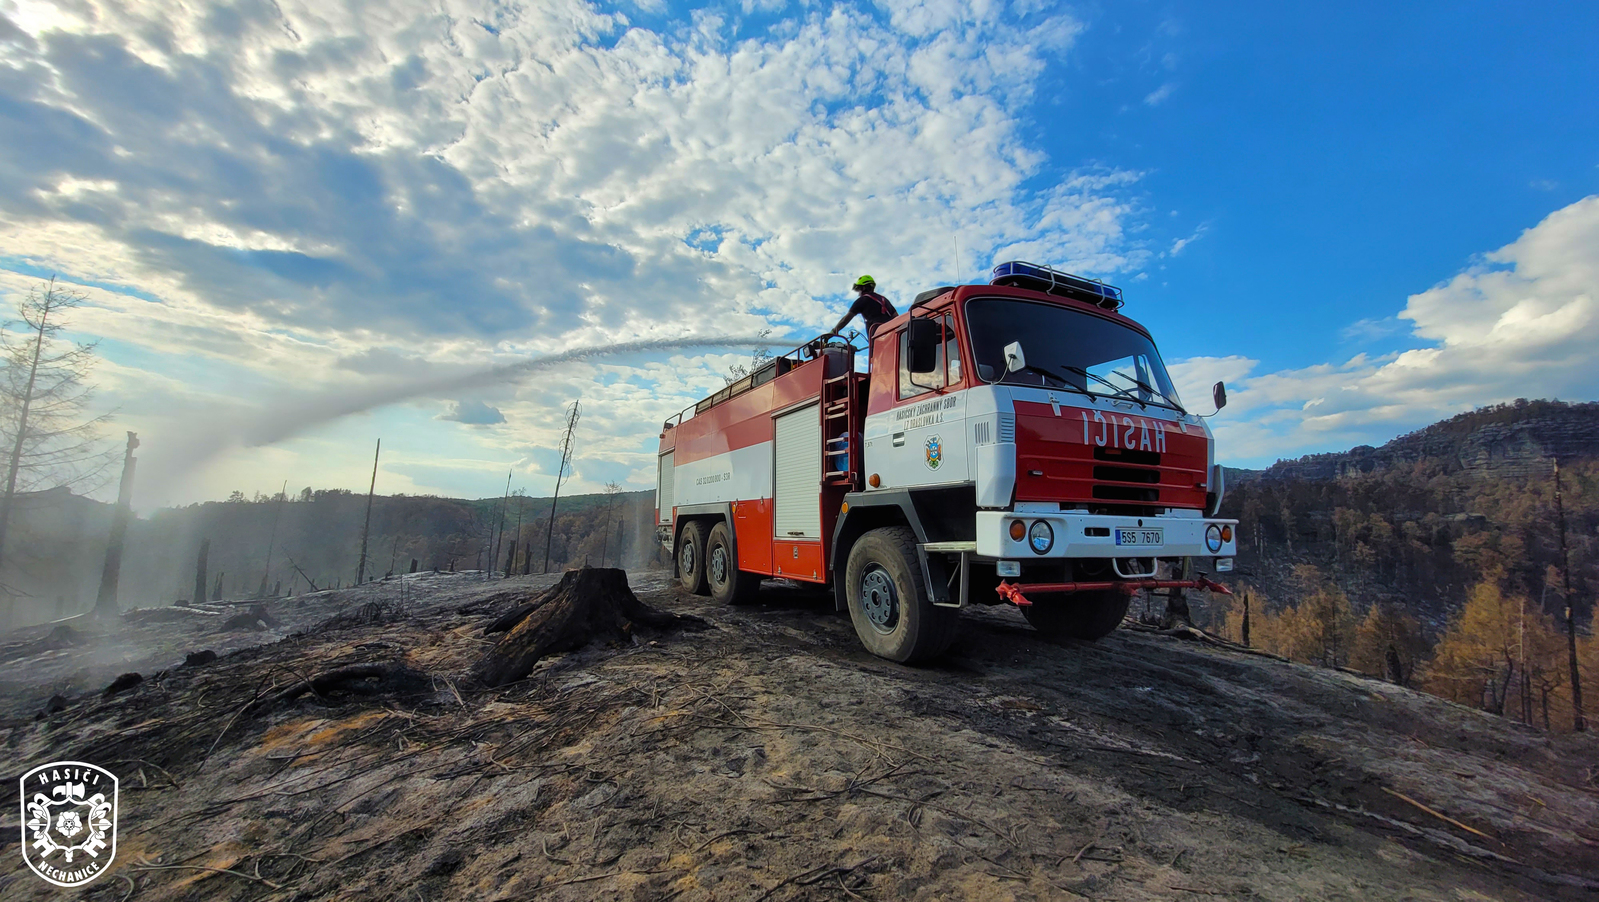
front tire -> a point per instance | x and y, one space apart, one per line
691 557
728 584
1082 615
888 603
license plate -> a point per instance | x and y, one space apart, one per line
1140 537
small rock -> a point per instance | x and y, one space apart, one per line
123 683
599 796
198 658
56 704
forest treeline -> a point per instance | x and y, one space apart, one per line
284 543
319 531
1428 572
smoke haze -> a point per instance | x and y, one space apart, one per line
174 457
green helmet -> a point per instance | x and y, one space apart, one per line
864 281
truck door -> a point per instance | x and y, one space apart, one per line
926 440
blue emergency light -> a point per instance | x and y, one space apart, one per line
1047 279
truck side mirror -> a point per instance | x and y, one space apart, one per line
921 345
1218 393
1015 360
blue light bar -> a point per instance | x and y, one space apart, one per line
1053 281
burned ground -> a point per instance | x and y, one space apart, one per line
770 758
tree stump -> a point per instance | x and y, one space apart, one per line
586 605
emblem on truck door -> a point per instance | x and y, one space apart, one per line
935 453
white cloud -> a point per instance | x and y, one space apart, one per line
1371 328
1180 243
313 198
1522 323
473 413
1160 94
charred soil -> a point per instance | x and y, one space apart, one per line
334 750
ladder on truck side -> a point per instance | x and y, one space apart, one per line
841 447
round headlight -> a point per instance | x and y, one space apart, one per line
1213 538
1040 537
1018 530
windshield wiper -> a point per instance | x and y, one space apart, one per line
1051 374
1120 391
1152 390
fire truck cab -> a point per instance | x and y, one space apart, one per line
1017 442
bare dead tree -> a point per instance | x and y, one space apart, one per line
572 415
758 359
510 563
612 491
497 528
1577 722
272 540
106 604
360 570
199 570
43 402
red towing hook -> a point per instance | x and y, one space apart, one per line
1017 594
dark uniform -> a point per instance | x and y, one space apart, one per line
869 306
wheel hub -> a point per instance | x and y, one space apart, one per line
686 558
879 601
719 565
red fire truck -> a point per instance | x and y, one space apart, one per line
1016 442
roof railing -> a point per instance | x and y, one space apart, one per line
772 368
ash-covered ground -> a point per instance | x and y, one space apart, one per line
770 758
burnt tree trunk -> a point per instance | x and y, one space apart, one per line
199 571
1177 613
586 605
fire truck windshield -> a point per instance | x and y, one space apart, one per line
1067 348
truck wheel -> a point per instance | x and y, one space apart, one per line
1082 615
691 557
888 603
729 585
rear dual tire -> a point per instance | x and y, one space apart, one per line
728 584
691 558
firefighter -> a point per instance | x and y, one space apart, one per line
869 305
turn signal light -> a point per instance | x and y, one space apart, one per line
873 481
1018 530
1226 533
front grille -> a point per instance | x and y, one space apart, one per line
1128 456
981 434
1127 510
1126 493
1127 474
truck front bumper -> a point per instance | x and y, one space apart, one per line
1081 535
1017 593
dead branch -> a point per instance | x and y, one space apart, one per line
1445 818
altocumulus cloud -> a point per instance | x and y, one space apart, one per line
307 193
473 413
1522 322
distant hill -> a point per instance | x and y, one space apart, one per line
1422 518
1510 440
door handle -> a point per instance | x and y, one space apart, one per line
899 439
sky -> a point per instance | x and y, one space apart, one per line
302 227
